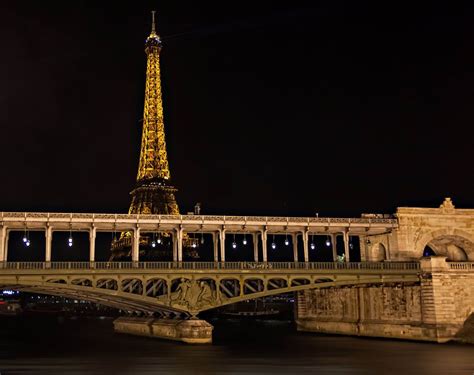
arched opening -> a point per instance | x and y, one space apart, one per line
455 248
455 253
428 252
378 253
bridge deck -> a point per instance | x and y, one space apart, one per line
194 223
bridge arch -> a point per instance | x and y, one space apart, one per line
455 244
127 301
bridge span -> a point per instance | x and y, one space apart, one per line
187 288
257 228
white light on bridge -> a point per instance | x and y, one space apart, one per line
287 242
27 243
234 244
328 242
244 241
153 244
25 238
69 241
312 245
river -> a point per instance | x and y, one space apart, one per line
51 345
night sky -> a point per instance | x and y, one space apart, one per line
335 107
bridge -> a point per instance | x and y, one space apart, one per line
257 228
187 288
395 291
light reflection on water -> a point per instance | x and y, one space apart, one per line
89 346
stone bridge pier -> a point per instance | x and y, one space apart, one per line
439 307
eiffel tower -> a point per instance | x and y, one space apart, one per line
153 192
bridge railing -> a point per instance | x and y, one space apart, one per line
461 266
210 265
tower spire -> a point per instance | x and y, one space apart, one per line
153 26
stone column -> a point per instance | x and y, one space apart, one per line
5 249
439 291
136 245
294 240
255 246
179 240
305 235
222 243
364 248
92 235
264 245
3 237
345 237
49 242
216 246
175 246
334 246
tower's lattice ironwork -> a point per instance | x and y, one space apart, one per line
153 192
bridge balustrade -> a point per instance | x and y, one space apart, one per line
464 266
220 265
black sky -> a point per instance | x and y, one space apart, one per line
336 107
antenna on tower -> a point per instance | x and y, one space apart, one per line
153 30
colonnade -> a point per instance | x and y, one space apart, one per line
259 240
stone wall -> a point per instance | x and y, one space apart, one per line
435 309
383 311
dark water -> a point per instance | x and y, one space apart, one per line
89 346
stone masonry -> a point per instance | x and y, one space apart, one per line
435 309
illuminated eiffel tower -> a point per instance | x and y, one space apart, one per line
153 192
